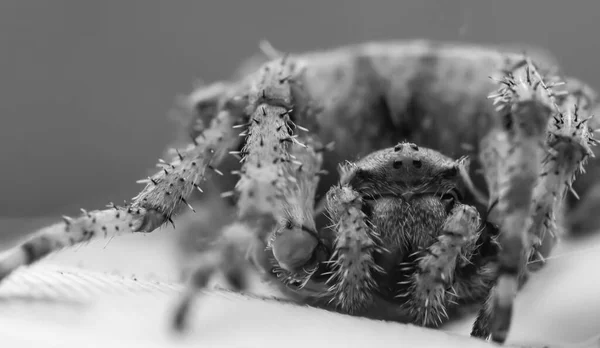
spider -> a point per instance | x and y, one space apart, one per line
412 234
402 239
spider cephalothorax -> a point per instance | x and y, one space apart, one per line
404 170
400 231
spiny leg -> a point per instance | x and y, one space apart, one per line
157 203
526 104
481 326
569 146
427 295
274 185
580 218
278 177
472 285
352 263
296 246
475 273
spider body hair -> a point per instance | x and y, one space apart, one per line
394 207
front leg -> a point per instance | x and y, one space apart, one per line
526 105
527 184
568 148
581 217
428 293
295 248
164 194
275 193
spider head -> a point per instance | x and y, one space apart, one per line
406 170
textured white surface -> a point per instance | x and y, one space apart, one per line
120 296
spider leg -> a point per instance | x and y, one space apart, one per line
512 173
352 264
278 177
568 146
569 142
164 194
295 245
476 271
275 192
581 217
495 148
428 294
226 256
276 186
481 327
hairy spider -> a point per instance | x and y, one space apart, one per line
403 240
407 242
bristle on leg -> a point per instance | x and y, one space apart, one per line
428 289
568 146
525 104
155 205
352 281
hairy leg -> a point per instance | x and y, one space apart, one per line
275 192
428 295
295 247
475 274
568 144
156 204
581 218
352 264
533 168
527 106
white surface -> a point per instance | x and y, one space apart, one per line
559 304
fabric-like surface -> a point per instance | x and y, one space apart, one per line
122 295
60 284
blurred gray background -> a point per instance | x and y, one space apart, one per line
86 86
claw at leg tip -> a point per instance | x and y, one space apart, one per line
180 318
179 322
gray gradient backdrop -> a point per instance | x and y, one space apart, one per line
85 86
